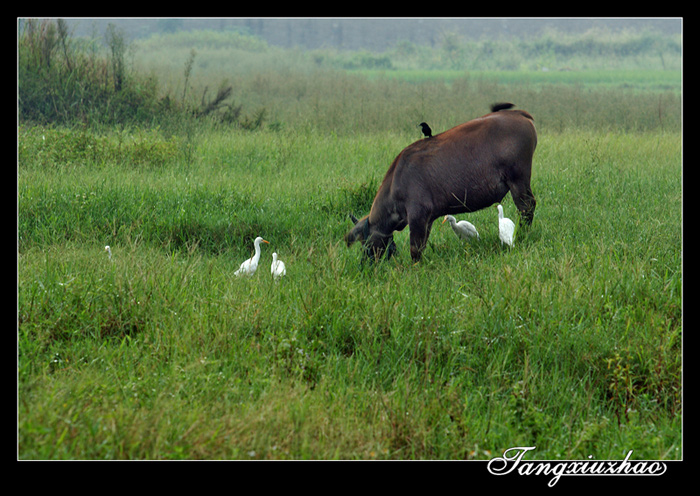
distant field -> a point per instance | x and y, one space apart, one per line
640 79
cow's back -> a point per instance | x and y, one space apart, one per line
466 166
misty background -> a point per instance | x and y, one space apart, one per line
329 74
374 34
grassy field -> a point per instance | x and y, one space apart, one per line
570 341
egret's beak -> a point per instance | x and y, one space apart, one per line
443 220
266 242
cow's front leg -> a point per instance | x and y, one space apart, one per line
420 230
390 249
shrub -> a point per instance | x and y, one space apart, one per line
63 80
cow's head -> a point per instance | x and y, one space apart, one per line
375 243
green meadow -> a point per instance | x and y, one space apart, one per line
571 341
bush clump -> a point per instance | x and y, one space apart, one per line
68 81
63 80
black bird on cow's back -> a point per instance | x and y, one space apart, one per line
426 130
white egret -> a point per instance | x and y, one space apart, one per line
277 269
249 267
109 251
462 229
506 228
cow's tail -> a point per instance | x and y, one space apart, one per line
501 106
506 106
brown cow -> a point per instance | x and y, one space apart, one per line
464 169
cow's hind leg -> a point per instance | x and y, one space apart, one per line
524 201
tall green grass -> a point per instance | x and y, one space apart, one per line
570 341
